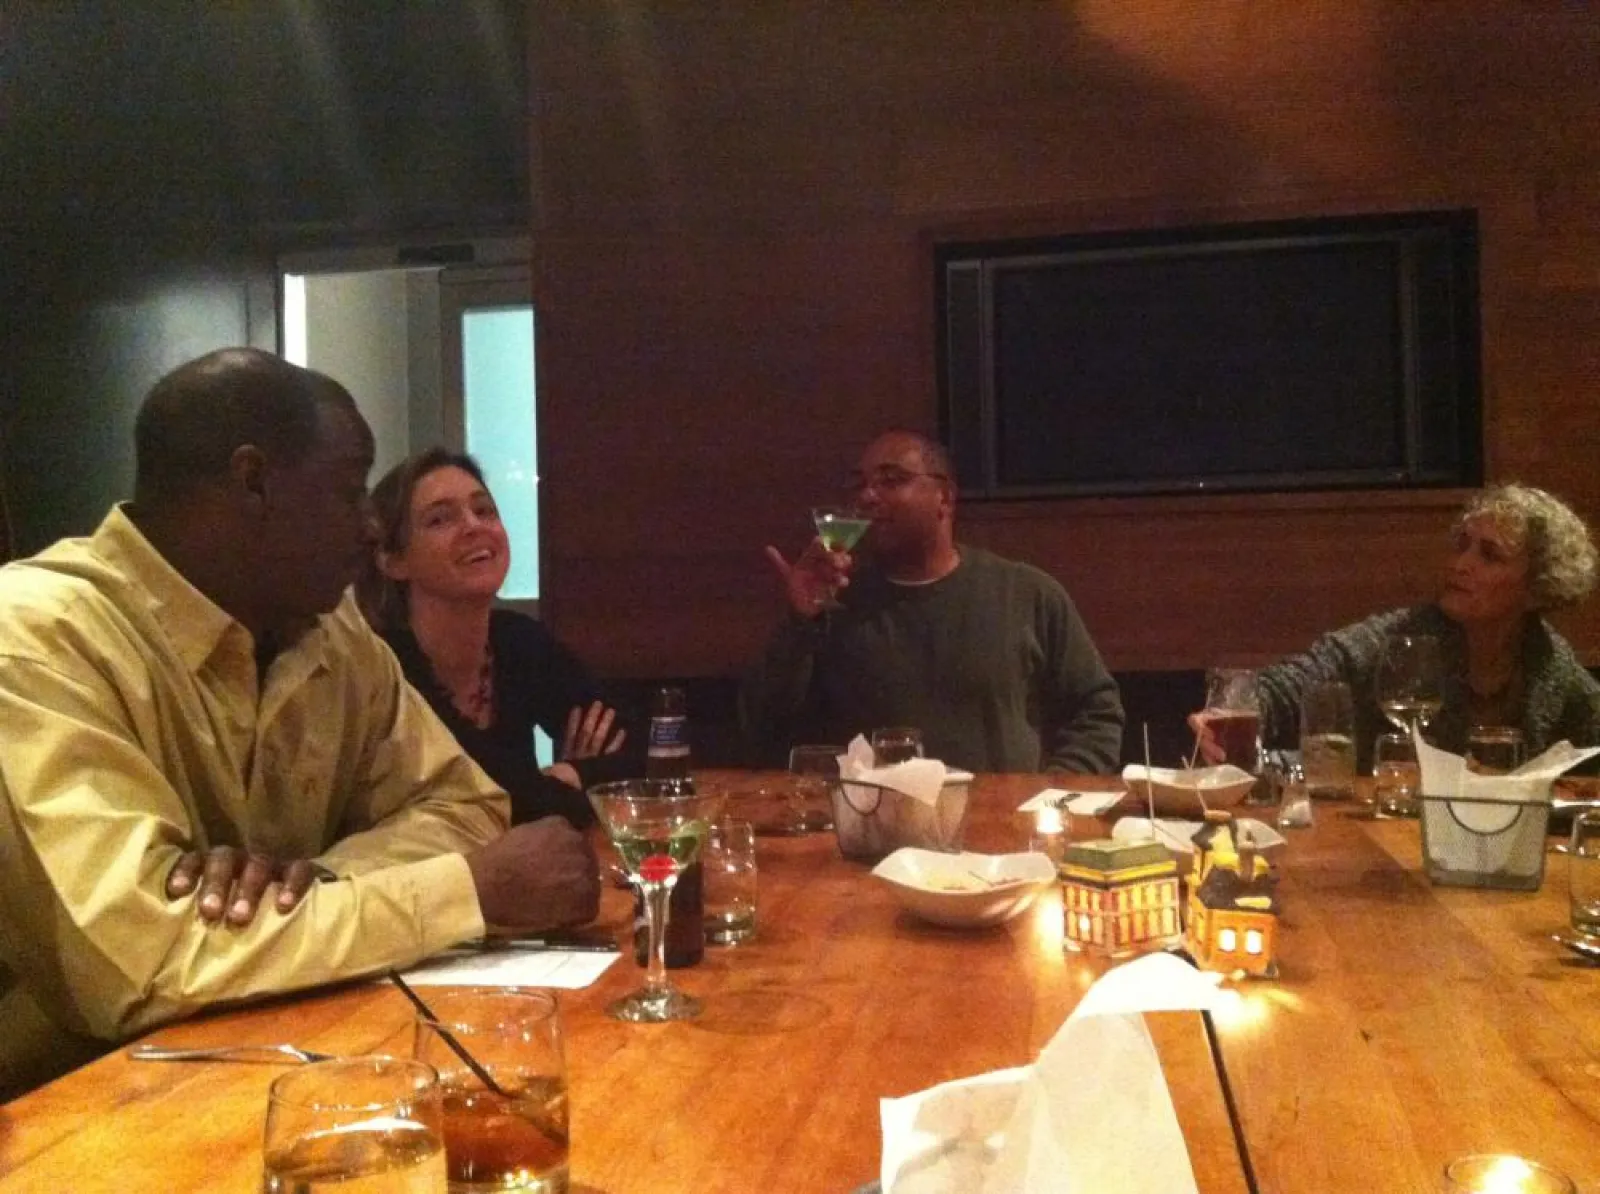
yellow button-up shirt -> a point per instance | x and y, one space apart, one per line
133 727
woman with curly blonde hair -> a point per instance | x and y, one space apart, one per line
1516 554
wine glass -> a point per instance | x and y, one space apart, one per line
1409 679
840 528
659 830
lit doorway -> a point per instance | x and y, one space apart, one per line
433 354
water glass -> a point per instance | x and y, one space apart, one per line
515 1138
729 859
373 1118
1397 779
1233 714
895 744
810 795
1494 750
1498 1173
1327 740
1583 871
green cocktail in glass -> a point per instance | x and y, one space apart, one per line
659 831
839 528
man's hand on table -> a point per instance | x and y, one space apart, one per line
541 875
537 876
231 882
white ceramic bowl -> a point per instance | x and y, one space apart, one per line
1179 793
965 891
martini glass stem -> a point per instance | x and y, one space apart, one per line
657 908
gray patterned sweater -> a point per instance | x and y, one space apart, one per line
1560 698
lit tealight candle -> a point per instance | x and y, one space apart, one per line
1047 821
1492 1174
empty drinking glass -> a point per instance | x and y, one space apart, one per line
1397 779
895 744
810 794
1583 871
729 862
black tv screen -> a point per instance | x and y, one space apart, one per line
1316 354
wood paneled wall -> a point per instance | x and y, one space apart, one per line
735 208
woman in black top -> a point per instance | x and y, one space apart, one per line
491 675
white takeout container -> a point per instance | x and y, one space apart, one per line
1180 793
965 891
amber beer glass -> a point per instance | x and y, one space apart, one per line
1233 713
513 1139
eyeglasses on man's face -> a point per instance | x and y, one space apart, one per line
889 478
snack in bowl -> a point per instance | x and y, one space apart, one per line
1188 792
964 890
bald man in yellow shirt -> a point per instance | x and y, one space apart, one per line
194 675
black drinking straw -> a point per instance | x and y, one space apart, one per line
446 1035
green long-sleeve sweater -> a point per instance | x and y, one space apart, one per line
991 663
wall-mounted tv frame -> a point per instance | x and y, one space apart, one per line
1288 355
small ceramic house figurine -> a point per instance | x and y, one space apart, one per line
1119 897
1233 914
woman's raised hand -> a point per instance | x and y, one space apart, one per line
589 732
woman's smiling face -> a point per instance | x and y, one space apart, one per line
456 545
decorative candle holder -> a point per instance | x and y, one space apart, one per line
1233 911
1118 897
1490 1173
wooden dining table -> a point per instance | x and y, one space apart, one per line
1408 1024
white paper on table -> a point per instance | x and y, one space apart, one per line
1093 1113
564 968
1079 804
920 779
1179 835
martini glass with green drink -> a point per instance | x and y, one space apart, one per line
840 528
659 831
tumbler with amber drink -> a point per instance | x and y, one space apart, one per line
514 1137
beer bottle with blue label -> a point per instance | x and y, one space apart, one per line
667 759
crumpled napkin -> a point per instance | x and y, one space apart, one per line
1446 775
1079 804
920 779
1092 1114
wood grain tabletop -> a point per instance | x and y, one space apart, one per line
1409 1024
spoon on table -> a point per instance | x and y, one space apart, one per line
1588 950
257 1053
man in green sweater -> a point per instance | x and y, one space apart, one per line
987 656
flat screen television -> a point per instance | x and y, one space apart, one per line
1307 354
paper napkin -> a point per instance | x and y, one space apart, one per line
1092 1114
1079 804
921 779
1447 775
